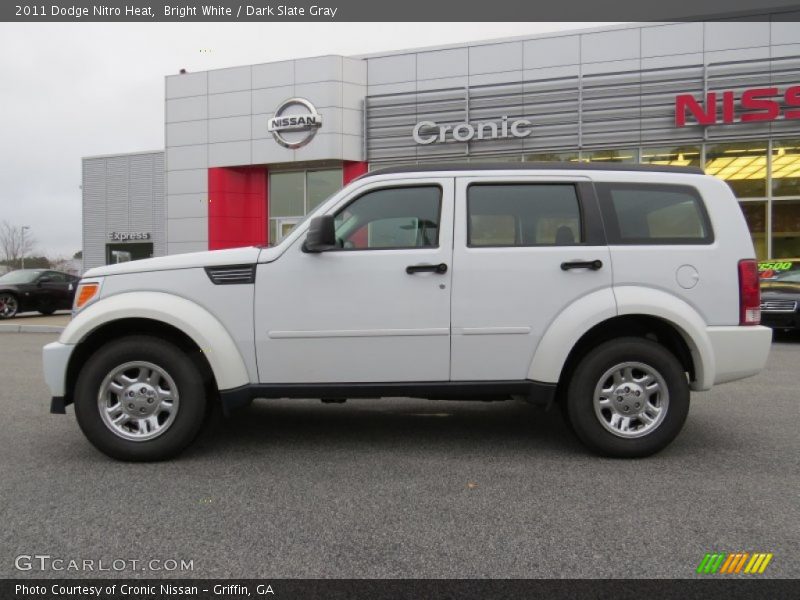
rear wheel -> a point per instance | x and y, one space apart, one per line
628 397
8 305
140 398
47 311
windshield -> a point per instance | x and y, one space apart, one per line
21 276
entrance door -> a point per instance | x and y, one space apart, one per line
376 309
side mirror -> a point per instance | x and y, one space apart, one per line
321 235
44 279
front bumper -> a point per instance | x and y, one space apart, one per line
55 358
739 351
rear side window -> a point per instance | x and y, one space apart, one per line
647 214
523 215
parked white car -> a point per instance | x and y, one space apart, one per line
611 290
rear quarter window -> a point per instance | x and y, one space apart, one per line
653 214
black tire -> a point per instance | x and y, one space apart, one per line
47 311
188 379
587 376
9 305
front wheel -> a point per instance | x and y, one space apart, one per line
628 398
140 398
8 305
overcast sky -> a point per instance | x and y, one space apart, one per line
73 90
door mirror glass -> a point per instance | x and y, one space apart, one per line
321 234
44 279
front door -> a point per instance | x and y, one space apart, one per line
376 309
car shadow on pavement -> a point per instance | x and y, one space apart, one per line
388 424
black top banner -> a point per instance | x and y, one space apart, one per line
405 10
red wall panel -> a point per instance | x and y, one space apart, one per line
352 169
238 207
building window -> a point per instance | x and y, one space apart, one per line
743 165
551 157
292 194
628 155
786 167
755 213
119 253
680 156
321 185
786 229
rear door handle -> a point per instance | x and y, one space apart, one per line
441 269
594 265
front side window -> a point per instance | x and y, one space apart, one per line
642 214
523 215
401 217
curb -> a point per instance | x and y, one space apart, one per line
30 329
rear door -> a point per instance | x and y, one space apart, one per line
525 248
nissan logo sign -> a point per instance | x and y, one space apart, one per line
294 123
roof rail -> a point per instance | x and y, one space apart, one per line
535 166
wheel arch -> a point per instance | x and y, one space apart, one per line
625 311
176 319
634 325
135 326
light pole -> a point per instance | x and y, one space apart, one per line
24 229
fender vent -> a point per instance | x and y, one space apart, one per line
232 274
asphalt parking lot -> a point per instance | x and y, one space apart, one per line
406 488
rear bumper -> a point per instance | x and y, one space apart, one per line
55 358
739 352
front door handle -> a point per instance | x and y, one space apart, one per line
441 269
594 265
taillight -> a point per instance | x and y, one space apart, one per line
749 293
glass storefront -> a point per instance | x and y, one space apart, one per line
680 156
628 155
785 168
292 194
742 164
786 229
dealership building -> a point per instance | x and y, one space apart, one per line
250 150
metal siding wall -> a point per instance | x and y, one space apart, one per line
122 193
608 105
159 206
94 212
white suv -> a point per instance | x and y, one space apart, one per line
610 290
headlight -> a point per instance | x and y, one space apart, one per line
88 291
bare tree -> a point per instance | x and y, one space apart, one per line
15 243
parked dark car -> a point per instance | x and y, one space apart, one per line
780 301
36 289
